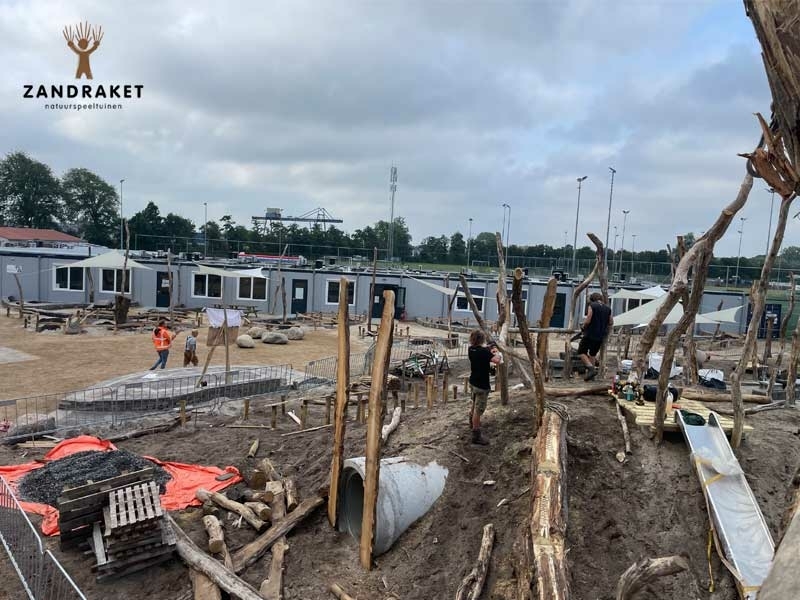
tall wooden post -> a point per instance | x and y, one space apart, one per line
372 289
503 319
547 313
342 385
383 348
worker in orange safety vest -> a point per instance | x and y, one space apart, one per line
162 340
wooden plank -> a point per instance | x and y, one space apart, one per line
107 520
383 347
141 514
107 484
122 518
97 543
156 497
148 501
129 505
98 497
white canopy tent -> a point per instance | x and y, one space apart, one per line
231 273
728 315
445 290
641 315
646 294
109 260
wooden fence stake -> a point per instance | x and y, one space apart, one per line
416 395
246 409
340 414
274 420
430 390
304 414
445 387
455 392
328 400
183 413
283 404
383 347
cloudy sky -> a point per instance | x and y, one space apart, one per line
308 103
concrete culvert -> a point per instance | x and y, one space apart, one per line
406 491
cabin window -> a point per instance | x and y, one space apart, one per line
252 288
111 281
205 285
332 292
68 278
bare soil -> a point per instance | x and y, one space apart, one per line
618 513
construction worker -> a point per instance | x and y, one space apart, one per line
162 340
481 358
595 328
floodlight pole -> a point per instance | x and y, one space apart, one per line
608 222
577 214
121 218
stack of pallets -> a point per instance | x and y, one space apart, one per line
80 507
135 534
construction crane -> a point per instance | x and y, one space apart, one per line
317 216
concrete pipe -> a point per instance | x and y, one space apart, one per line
406 491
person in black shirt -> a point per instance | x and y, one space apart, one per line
480 359
595 328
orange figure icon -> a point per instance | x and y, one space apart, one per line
78 40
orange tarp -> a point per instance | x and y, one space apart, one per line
179 492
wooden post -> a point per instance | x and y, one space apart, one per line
205 367
21 300
445 388
328 400
274 420
430 391
403 402
304 414
416 394
503 319
768 341
340 413
183 412
272 587
225 336
383 347
360 408
548 307
283 404
455 392
246 409
536 365
466 384
372 289
169 279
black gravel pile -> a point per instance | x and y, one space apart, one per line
46 484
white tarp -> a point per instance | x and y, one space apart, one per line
642 315
444 290
109 260
233 274
257 272
654 361
216 317
646 294
728 315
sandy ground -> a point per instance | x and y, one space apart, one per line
649 506
64 363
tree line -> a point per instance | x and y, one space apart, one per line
83 204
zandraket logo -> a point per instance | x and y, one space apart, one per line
78 40
83 40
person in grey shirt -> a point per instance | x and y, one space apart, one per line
190 349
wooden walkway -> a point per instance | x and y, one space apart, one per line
644 414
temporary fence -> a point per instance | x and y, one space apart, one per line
131 400
42 576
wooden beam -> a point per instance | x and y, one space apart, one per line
249 553
472 585
383 346
218 573
342 385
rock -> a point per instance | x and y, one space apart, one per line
256 332
272 337
295 333
245 341
32 423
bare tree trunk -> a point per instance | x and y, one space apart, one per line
680 280
752 328
600 260
502 320
783 331
525 334
547 313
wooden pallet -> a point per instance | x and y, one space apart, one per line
80 507
645 414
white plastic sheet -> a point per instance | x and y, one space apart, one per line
216 317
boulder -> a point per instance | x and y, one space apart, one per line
295 333
256 332
32 423
273 337
245 341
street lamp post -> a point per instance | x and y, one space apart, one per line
577 214
205 229
739 253
469 241
608 222
121 238
633 252
622 242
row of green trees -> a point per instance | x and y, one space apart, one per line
83 204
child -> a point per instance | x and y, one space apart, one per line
190 350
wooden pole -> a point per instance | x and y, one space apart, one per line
503 319
21 299
536 365
445 388
340 416
576 293
272 586
416 395
472 585
328 401
548 306
205 367
274 420
383 347
246 415
430 390
304 414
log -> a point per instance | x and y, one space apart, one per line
216 572
707 395
261 510
535 363
228 504
624 424
548 306
472 585
642 572
204 588
309 430
337 591
291 494
251 552
269 470
591 390
272 586
387 430
383 347
216 537
253 449
540 558
258 495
